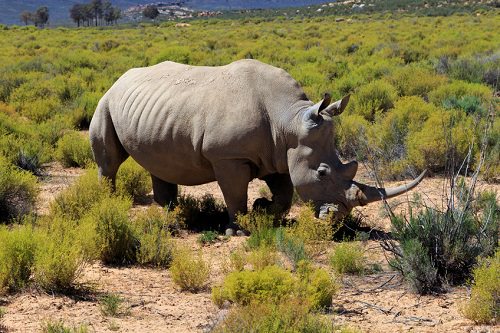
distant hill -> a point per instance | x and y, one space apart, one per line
59 9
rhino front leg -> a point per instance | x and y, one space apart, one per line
233 177
282 190
164 193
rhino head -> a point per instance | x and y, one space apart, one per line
318 174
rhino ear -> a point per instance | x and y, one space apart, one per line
321 105
338 107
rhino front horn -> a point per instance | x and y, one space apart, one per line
361 194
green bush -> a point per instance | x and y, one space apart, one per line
308 228
272 284
459 89
375 97
75 201
205 213
352 136
290 317
442 247
17 253
133 180
347 257
73 150
61 254
443 138
60 327
415 81
117 242
18 191
292 247
208 237
261 228
262 257
111 304
189 271
154 227
484 304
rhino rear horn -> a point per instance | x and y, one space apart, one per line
338 107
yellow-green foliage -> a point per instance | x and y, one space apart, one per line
373 98
133 180
459 89
272 284
76 201
351 135
309 228
154 227
443 134
262 257
290 317
188 270
73 150
17 252
18 191
61 254
484 304
116 239
347 257
261 228
111 304
415 81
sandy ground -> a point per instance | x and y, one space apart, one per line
377 302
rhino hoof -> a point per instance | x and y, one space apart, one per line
229 232
240 233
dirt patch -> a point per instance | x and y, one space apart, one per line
377 302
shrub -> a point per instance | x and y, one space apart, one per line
17 252
154 227
60 256
440 247
202 214
190 272
272 284
208 237
351 136
412 80
60 327
444 138
316 285
18 191
459 89
347 257
292 247
73 150
484 304
262 257
116 241
133 180
376 96
111 305
75 201
261 228
290 317
309 228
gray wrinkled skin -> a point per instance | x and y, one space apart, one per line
192 125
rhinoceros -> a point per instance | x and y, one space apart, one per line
191 125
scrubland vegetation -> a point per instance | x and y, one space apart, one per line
423 94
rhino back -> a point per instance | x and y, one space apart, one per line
177 120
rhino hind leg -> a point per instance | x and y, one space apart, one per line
282 190
164 193
108 151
